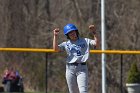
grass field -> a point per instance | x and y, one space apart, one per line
43 92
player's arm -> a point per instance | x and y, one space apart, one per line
93 33
55 39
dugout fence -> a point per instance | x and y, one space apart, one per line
38 50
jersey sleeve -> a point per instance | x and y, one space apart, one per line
92 42
62 46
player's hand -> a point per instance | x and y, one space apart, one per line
92 29
56 31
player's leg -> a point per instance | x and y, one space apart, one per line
71 79
82 79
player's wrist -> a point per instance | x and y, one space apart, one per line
55 35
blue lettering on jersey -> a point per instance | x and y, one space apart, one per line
82 45
75 49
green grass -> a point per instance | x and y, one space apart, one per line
43 92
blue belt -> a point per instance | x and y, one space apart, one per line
76 64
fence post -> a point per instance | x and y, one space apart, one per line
46 77
121 73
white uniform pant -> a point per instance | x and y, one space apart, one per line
77 78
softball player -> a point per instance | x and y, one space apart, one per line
77 49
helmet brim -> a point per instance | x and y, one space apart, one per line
70 31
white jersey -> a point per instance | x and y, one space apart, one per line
78 51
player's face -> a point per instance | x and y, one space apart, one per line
73 35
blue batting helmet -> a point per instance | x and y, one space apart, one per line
68 28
